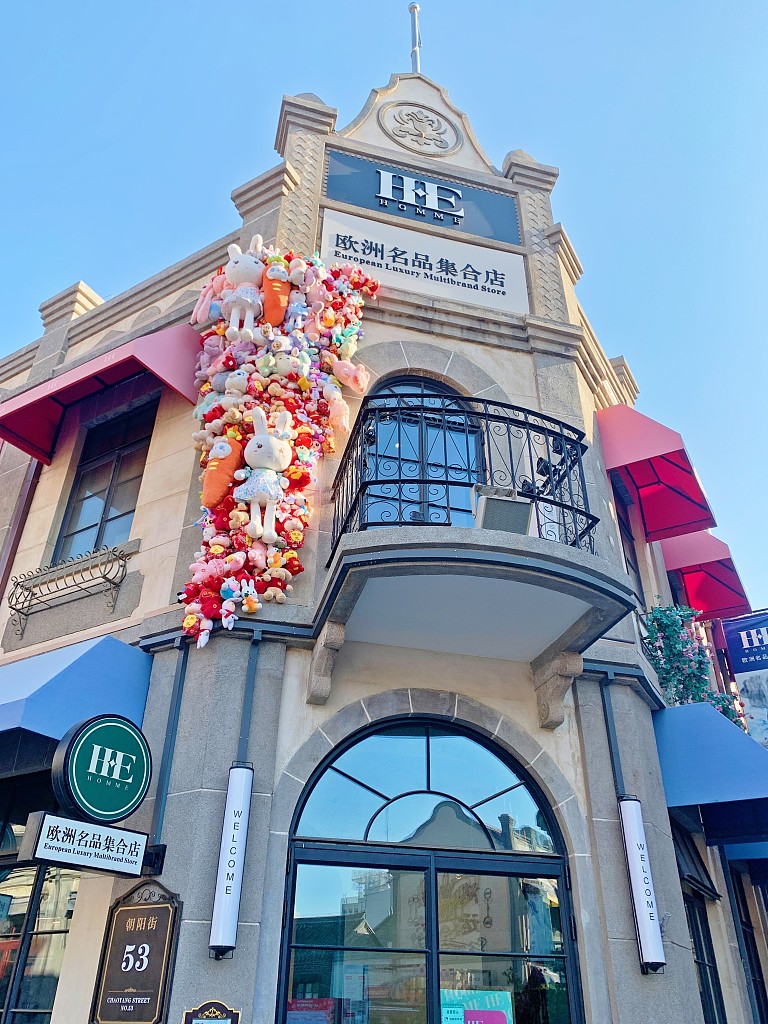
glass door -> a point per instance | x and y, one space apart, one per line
391 937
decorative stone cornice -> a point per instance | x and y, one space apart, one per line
68 305
610 385
553 337
551 682
459 322
266 191
132 302
18 362
329 643
562 243
305 111
626 379
523 170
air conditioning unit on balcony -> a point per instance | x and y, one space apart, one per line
501 508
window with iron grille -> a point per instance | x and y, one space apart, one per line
106 489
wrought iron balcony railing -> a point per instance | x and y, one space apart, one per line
41 589
415 459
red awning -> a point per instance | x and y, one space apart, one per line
31 420
708 575
653 462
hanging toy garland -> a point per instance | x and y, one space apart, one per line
270 377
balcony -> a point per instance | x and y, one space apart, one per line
418 459
417 562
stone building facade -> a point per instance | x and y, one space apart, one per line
508 649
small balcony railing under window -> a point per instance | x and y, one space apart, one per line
418 458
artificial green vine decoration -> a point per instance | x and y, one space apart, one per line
681 660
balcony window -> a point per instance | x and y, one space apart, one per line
418 449
106 489
423 453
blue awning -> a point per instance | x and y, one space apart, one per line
48 693
705 759
709 762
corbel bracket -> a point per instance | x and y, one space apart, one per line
552 681
327 646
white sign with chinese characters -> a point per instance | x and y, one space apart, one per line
86 845
445 268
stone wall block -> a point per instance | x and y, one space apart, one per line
268 962
345 722
198 977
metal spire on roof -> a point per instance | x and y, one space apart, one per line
415 40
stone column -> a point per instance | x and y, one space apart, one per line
636 998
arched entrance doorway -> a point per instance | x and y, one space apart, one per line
426 885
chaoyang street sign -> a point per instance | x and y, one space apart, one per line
102 769
136 968
429 265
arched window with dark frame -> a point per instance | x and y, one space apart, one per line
422 455
427 878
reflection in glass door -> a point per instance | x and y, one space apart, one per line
426 887
415 944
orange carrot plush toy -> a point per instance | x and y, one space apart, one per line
277 288
224 459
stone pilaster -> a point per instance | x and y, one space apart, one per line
57 314
304 125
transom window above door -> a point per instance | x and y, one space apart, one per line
425 786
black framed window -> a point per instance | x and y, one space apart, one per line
750 943
426 879
631 561
103 500
36 905
422 455
704 958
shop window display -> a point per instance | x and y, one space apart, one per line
36 906
427 886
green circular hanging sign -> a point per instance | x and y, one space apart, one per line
102 769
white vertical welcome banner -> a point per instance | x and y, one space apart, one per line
229 877
649 941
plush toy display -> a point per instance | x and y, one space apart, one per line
283 332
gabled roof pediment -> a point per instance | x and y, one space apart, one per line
412 114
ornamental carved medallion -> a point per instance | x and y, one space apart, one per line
419 129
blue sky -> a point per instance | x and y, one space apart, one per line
132 124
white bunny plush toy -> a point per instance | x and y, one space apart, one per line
241 298
268 454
